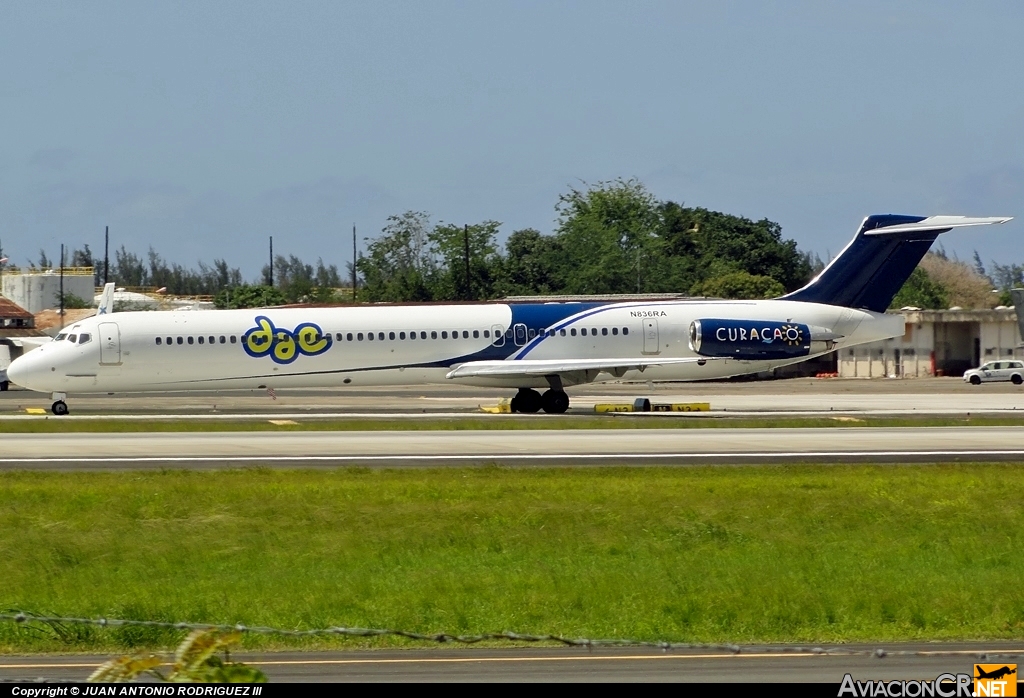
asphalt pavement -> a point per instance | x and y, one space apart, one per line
525 664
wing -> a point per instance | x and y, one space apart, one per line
547 367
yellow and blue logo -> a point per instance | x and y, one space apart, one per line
284 346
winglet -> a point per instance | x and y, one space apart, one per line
106 300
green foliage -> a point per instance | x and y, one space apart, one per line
608 234
448 248
920 291
740 284
72 301
195 661
798 553
246 296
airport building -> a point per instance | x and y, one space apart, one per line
937 343
39 289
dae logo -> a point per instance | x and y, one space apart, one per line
995 679
284 346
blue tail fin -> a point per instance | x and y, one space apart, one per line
870 271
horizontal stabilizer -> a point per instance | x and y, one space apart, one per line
935 224
547 367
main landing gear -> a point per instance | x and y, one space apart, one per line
59 407
528 400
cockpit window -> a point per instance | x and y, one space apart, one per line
84 338
60 337
72 338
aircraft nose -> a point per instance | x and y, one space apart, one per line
29 372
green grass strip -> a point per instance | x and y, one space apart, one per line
772 554
57 425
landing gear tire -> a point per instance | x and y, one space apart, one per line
4 385
59 408
1017 380
527 401
975 380
555 401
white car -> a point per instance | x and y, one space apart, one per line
996 371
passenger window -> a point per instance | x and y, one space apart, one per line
339 336
401 335
380 336
573 331
359 336
433 334
615 330
625 330
532 333
391 335
465 334
412 335
200 340
180 340
191 341
476 334
604 331
561 332
158 341
583 331
349 336
232 339
423 335
85 338
213 340
444 334
170 340
487 334
369 336
222 339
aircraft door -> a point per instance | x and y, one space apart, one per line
499 335
110 344
519 334
652 338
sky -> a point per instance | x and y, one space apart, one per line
200 129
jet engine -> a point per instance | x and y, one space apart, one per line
758 340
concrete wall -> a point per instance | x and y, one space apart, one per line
36 292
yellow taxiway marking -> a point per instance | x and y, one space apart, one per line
577 658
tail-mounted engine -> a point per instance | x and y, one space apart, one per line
758 340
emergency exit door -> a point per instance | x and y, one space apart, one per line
110 343
652 339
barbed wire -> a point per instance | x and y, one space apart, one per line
22 617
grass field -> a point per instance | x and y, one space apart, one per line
800 553
56 425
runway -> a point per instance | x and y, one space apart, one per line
577 665
803 395
121 451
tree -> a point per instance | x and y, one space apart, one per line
448 247
609 236
722 243
964 286
396 267
920 291
531 264
740 284
246 296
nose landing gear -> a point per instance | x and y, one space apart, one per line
59 407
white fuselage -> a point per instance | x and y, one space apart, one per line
411 344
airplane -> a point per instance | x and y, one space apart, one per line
549 346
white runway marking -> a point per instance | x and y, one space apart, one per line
774 455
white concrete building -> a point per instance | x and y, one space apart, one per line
937 343
36 290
